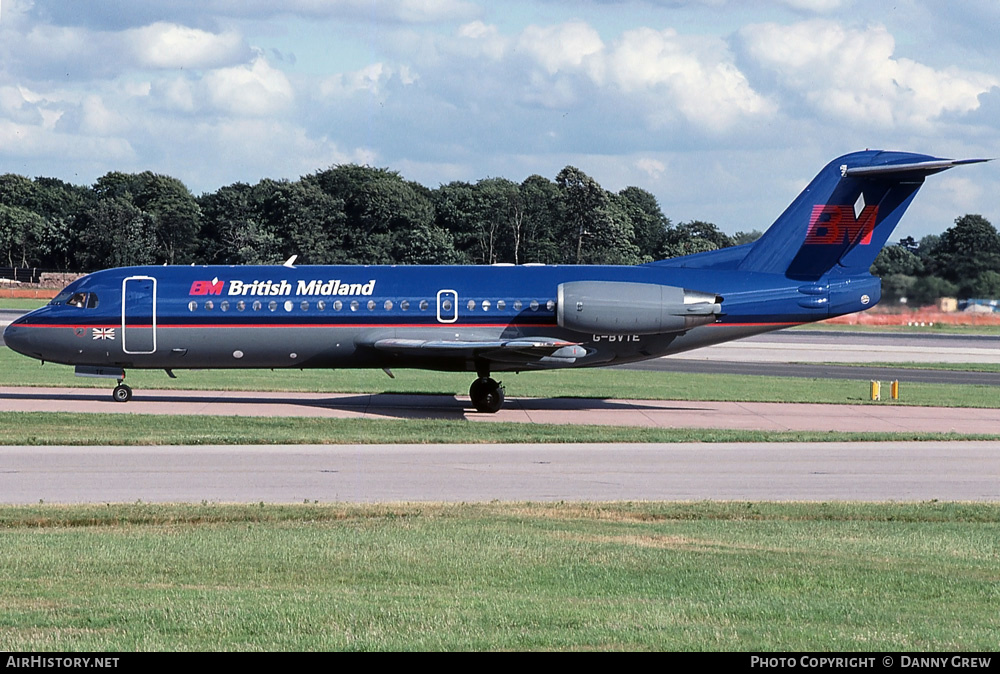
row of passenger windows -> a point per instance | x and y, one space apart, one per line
355 305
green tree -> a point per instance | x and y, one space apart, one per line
692 237
897 260
986 285
116 233
172 210
487 219
740 238
234 227
966 250
594 225
542 220
897 286
929 289
648 222
22 234
49 236
382 211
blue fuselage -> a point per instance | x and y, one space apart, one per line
332 316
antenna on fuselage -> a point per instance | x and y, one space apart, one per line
290 262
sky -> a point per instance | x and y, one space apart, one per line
722 109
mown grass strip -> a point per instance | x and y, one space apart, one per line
950 367
484 577
47 428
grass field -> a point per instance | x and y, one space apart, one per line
61 428
630 576
487 577
19 428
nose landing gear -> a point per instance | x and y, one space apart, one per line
122 392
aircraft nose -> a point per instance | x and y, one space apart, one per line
18 337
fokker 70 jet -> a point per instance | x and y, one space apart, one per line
811 264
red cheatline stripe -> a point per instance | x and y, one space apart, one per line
299 325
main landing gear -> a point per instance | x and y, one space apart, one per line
486 394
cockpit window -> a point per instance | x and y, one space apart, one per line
80 300
61 297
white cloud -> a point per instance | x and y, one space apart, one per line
560 47
32 141
97 120
818 6
851 74
249 90
371 79
167 45
695 75
483 39
654 168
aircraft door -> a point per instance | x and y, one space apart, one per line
139 314
447 306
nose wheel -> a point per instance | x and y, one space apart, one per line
487 395
122 393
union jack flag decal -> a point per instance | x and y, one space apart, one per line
104 333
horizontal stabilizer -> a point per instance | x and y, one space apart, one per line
901 171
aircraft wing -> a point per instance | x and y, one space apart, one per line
522 349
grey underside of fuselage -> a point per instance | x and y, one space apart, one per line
342 348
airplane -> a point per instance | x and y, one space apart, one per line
811 264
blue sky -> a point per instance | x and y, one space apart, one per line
723 109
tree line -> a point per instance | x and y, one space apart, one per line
962 262
352 214
347 214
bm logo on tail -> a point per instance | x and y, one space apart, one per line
835 225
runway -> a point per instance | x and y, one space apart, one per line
948 471
370 473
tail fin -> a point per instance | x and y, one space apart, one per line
845 215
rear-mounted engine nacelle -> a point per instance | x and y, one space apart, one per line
620 308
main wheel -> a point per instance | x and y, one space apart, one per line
122 393
487 395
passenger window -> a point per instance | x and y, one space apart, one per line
517 305
501 305
257 305
209 305
272 305
423 305
404 305
338 305
388 305
192 305
486 305
371 305
320 305
241 305
471 305
550 305
304 306
224 305
534 305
